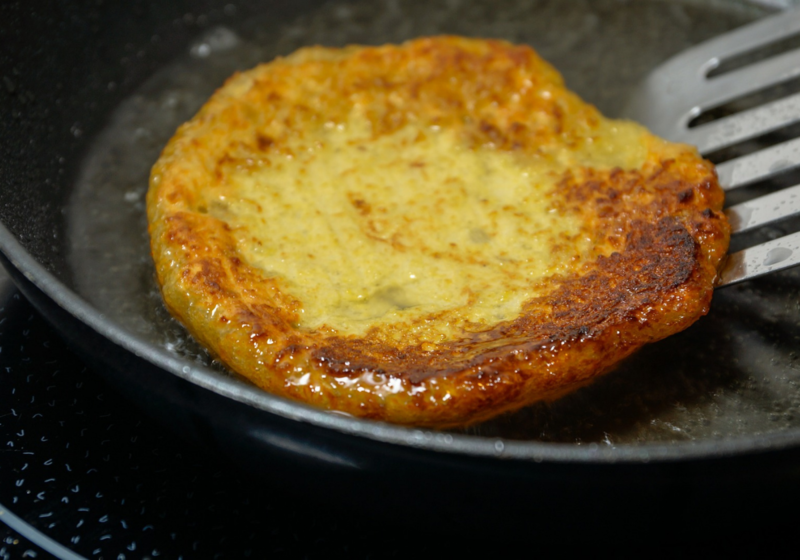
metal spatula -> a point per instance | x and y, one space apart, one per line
675 97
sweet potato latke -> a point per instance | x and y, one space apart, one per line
431 233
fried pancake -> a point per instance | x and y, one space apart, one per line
431 233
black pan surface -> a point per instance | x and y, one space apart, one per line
90 93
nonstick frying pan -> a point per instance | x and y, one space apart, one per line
688 427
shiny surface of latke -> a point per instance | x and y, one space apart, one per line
430 233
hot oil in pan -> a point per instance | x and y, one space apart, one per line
735 372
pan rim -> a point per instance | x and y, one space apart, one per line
421 439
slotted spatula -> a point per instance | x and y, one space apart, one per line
693 83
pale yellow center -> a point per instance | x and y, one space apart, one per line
372 231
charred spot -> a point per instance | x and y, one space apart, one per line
606 211
686 196
263 142
205 273
288 351
492 132
519 132
708 213
343 362
362 206
558 113
593 186
225 159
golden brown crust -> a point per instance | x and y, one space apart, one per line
658 231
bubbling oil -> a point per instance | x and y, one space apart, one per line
736 372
